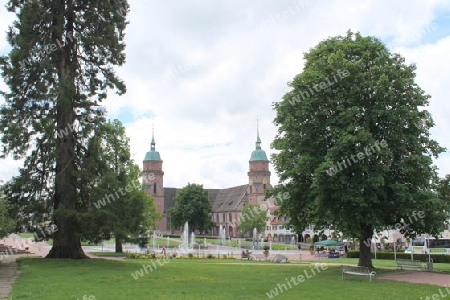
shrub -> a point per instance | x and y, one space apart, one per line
176 236
190 255
141 256
210 256
437 258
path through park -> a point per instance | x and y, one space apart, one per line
9 271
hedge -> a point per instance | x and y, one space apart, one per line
437 258
175 236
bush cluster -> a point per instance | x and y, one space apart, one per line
140 255
175 236
188 256
437 258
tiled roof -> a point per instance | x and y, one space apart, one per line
170 193
229 199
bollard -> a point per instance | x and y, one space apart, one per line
430 264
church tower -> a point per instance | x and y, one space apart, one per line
259 174
153 180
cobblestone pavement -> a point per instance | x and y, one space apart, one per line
9 271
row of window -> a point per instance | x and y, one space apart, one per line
216 217
224 217
280 227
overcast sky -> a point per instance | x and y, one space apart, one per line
202 71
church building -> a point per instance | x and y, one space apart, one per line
226 203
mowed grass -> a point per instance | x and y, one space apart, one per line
197 279
383 263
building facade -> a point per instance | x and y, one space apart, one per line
226 203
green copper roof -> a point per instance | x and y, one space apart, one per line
258 153
152 154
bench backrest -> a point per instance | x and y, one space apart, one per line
409 262
358 269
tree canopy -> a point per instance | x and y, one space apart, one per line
7 223
116 201
58 71
192 205
353 142
252 216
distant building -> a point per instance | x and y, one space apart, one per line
276 229
226 203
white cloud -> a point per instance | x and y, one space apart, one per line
205 117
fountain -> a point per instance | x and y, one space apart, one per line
192 240
222 235
185 244
153 241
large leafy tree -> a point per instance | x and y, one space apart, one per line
7 223
252 216
354 146
444 188
116 201
58 72
192 205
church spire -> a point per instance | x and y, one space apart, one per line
258 153
258 140
152 144
152 154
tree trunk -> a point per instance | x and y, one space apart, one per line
66 242
119 244
365 258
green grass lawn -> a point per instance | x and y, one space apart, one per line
234 243
108 254
26 235
377 263
197 279
160 241
282 246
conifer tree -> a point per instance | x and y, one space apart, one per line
58 72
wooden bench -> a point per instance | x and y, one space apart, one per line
407 263
357 270
320 255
